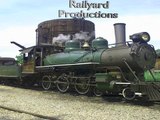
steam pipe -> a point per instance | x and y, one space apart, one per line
120 34
12 42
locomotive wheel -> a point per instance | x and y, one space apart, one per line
82 86
62 83
97 92
128 94
46 82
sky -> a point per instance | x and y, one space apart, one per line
19 20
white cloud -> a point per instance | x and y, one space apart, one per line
134 24
24 35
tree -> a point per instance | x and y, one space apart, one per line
158 52
19 58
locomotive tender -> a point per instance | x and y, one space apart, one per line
113 70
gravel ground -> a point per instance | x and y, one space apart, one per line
71 107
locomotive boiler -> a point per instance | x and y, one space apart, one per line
101 68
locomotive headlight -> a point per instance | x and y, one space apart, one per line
145 36
140 37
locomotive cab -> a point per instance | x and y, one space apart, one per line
29 62
33 56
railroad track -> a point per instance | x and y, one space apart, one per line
29 113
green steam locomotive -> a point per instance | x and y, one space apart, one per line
118 69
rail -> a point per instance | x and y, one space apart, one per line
29 113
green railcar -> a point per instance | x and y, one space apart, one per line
154 78
9 69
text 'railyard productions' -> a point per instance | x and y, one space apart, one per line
87 6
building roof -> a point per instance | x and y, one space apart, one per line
6 59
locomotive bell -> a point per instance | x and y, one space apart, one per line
85 45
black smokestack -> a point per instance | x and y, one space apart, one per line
120 34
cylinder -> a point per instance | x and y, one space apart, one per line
120 34
62 30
